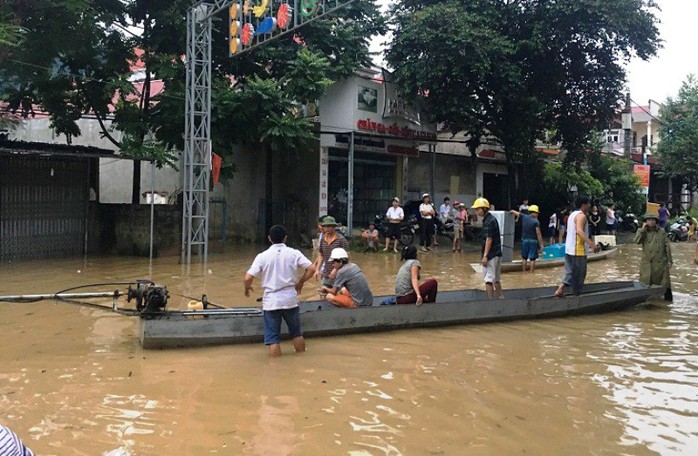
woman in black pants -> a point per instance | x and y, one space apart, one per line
426 209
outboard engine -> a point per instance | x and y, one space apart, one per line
150 298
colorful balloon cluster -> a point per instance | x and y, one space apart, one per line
241 30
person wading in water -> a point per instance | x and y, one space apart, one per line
656 255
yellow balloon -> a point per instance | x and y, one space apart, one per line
259 10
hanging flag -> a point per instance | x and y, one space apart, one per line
216 163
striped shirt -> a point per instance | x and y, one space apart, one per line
326 249
11 445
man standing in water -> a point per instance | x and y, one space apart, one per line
532 239
279 267
491 248
331 240
576 242
656 255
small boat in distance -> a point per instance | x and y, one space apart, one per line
190 328
515 266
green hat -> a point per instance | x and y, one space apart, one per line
649 215
329 221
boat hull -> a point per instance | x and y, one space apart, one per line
189 329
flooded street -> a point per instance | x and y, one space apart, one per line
74 380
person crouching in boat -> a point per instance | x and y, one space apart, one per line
407 288
491 248
532 239
656 254
278 267
350 288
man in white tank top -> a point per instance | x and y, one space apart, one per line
576 249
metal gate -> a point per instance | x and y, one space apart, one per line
43 207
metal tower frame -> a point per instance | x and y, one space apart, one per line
197 133
197 123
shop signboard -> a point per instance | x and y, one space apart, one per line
324 171
394 106
643 175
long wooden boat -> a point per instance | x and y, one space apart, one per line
515 266
172 328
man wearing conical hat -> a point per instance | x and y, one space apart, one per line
656 254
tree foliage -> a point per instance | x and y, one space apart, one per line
512 69
76 56
678 134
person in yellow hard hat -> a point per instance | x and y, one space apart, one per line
531 237
491 248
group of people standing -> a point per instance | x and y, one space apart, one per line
598 222
343 284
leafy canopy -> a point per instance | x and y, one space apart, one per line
75 58
513 69
678 133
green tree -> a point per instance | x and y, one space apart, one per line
678 134
74 59
512 69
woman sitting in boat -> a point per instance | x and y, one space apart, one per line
407 288
350 288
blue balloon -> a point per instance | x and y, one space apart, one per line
267 26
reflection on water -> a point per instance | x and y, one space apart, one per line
75 381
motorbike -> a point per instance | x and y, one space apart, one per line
678 231
408 227
441 228
628 222
444 228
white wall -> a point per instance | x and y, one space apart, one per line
115 175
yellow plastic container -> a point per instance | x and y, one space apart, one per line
195 305
652 208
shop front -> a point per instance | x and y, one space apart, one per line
367 136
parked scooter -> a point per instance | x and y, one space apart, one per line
408 228
628 222
678 231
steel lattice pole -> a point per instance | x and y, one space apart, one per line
197 149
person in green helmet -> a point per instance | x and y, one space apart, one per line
656 254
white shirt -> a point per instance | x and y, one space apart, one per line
425 208
445 211
523 207
610 216
395 213
552 222
278 266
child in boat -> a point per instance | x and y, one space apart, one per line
350 288
407 288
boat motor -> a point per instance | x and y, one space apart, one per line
150 298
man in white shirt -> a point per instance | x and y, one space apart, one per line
278 267
395 216
426 209
523 207
445 210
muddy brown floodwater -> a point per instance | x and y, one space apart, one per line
74 380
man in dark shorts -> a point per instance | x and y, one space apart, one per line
395 216
531 237
278 267
331 240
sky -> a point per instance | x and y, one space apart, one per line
661 76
